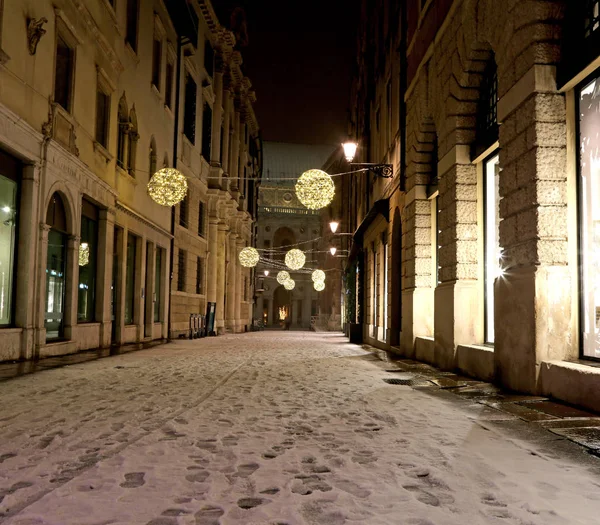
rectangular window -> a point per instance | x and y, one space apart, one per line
130 278
209 58
592 17
169 85
102 114
201 220
181 271
589 216
189 117
157 284
492 268
88 255
63 74
156 61
206 131
9 186
183 212
200 276
131 30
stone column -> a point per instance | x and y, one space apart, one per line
150 259
221 266
120 296
211 270
25 273
40 307
140 284
106 232
457 298
231 283
533 309
239 293
71 284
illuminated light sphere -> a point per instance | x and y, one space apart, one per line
319 286
318 276
289 284
315 189
249 257
295 259
167 187
84 254
283 276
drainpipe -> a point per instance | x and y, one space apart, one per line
403 88
175 146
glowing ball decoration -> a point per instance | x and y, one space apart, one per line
167 187
283 276
289 284
315 189
249 257
295 259
318 276
319 286
84 254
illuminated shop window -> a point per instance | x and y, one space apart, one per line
589 212
592 17
493 252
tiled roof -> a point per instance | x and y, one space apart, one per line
283 160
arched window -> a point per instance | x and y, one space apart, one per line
152 158
133 140
56 267
123 133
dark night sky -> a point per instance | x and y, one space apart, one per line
299 59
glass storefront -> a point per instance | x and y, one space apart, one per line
493 251
8 219
87 263
589 212
130 279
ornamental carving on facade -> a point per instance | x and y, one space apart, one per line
35 31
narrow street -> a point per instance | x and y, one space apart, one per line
274 428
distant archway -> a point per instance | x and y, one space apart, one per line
283 238
282 304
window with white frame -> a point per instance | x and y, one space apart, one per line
492 251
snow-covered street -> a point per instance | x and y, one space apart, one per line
273 428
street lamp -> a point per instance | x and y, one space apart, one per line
266 273
334 226
380 170
332 250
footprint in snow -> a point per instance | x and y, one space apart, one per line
250 503
247 469
133 480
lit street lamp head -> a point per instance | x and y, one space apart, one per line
349 150
333 249
266 273
334 226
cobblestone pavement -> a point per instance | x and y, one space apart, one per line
282 428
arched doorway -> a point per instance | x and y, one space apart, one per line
56 269
285 237
282 305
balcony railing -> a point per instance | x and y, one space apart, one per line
287 211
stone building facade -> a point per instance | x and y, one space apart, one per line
88 93
480 254
283 221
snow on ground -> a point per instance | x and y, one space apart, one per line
272 428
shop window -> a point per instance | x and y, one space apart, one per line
493 253
375 290
156 62
10 175
157 283
102 116
63 73
88 255
130 278
131 30
589 214
201 220
206 131
56 268
181 260
189 117
199 275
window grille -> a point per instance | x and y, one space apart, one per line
592 17
201 221
200 276
183 212
487 109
